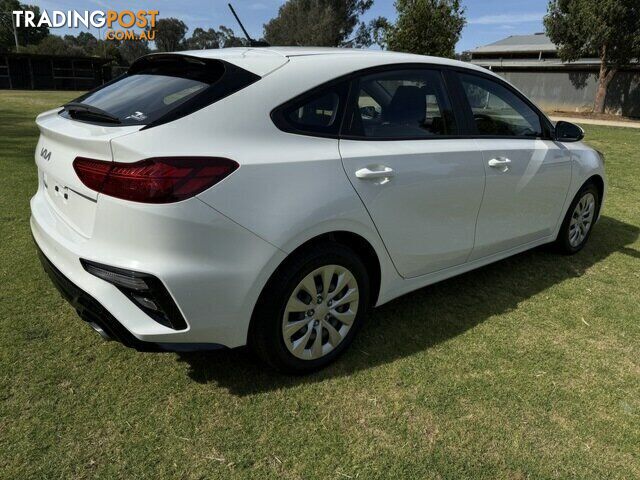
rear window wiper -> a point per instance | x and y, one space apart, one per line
76 109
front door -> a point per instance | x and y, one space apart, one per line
527 176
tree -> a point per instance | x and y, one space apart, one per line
54 45
606 28
86 45
131 50
203 39
84 42
26 35
425 27
325 23
228 38
170 34
373 32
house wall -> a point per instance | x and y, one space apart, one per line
574 91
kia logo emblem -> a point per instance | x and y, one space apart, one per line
46 154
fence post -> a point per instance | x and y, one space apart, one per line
31 73
9 72
15 32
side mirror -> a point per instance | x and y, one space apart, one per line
568 132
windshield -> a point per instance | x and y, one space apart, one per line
155 86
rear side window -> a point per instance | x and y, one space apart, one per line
318 112
158 89
403 104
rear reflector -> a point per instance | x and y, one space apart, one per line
154 180
146 291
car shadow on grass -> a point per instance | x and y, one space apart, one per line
426 317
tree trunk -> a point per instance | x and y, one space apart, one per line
604 78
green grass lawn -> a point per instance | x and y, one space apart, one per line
529 368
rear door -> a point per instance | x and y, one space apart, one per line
421 184
528 174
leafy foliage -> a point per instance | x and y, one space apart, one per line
202 39
86 45
54 45
130 50
170 36
212 38
229 38
323 23
373 33
26 36
606 28
424 27
170 33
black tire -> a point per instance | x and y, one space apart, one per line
562 243
265 333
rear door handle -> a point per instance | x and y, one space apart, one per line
378 171
499 162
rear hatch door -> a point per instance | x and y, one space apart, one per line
156 89
61 141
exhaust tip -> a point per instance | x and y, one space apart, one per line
100 331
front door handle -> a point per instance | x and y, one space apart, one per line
500 162
377 171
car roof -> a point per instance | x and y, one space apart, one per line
263 60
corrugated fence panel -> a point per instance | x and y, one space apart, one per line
575 91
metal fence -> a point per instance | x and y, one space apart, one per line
575 90
44 72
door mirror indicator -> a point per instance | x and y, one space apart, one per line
568 132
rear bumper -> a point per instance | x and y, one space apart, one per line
90 310
212 268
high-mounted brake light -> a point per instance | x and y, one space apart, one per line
154 180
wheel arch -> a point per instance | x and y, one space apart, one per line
361 247
598 181
356 242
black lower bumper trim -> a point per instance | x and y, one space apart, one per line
92 312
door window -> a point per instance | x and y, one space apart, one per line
406 104
497 111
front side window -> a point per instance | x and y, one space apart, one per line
404 104
497 111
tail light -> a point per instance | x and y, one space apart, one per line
154 180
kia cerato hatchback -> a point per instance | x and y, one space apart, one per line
270 196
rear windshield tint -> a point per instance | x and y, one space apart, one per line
162 88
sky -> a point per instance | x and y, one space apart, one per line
487 20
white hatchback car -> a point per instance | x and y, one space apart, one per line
270 196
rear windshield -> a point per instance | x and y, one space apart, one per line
158 89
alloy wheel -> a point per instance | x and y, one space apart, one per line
582 219
320 312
